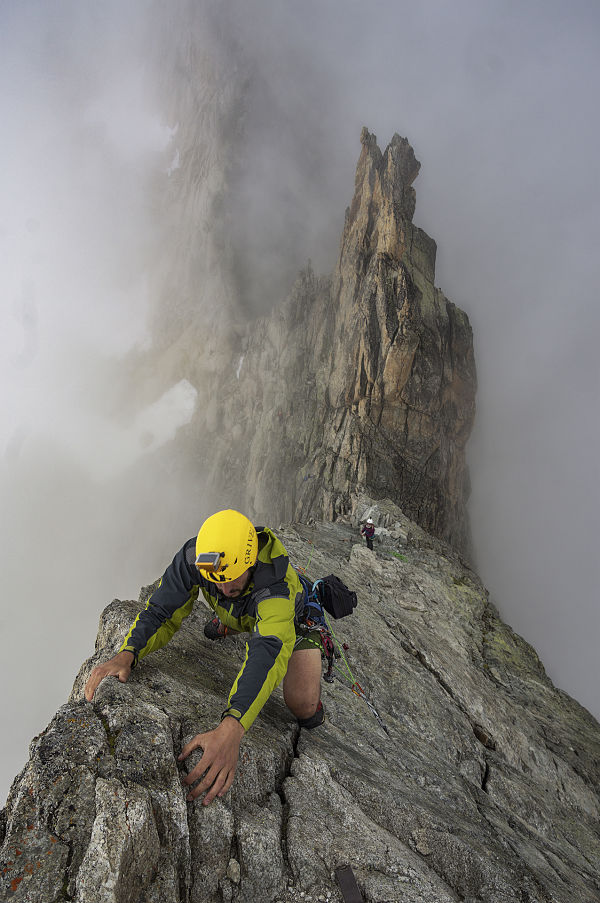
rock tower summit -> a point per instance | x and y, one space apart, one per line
359 383
401 393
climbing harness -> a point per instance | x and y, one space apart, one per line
315 618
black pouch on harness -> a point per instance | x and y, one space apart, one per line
335 596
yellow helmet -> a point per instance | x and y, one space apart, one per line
227 545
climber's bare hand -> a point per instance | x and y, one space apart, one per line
119 666
219 760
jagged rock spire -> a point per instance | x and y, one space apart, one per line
373 372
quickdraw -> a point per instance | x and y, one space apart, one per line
358 691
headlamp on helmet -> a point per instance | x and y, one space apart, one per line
227 545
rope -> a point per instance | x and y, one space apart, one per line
304 569
356 687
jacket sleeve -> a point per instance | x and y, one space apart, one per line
267 655
169 604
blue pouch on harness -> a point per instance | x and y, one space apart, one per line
313 610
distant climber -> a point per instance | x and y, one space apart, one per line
368 531
246 577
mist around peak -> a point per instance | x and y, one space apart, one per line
107 252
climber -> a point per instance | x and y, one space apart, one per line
368 531
245 575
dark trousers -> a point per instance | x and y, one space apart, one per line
369 542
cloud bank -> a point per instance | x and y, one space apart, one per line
497 100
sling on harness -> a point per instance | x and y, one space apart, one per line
330 594
313 618
326 594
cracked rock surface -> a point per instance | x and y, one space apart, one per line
479 783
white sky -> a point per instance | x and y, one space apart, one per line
499 101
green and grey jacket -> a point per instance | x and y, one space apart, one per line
266 610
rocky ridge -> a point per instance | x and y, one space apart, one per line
482 788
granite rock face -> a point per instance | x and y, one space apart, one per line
359 383
396 364
480 782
